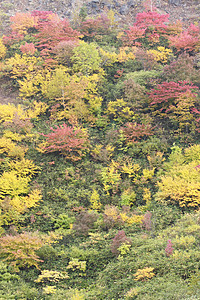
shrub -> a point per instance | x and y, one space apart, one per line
119 239
144 274
63 221
84 222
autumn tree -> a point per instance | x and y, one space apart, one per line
21 22
176 102
119 239
52 31
179 185
182 68
86 58
20 250
134 132
69 141
95 28
188 40
150 25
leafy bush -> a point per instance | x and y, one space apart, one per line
84 222
119 239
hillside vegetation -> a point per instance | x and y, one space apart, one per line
100 158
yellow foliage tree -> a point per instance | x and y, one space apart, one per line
23 168
125 54
75 97
8 111
108 58
2 49
10 148
162 54
111 177
95 203
119 111
13 185
20 65
180 186
181 180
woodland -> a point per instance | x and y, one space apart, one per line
100 158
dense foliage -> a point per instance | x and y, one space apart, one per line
100 158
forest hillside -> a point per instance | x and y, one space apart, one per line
100 157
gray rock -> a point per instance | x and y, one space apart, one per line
116 4
131 4
94 5
175 2
123 10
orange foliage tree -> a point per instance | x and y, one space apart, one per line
22 22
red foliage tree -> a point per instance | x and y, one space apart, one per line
186 41
52 31
41 15
178 103
167 92
133 34
148 24
134 132
67 140
94 27
28 48
152 19
12 38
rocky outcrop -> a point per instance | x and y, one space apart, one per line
178 9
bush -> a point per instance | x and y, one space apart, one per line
84 222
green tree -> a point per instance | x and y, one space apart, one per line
86 58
